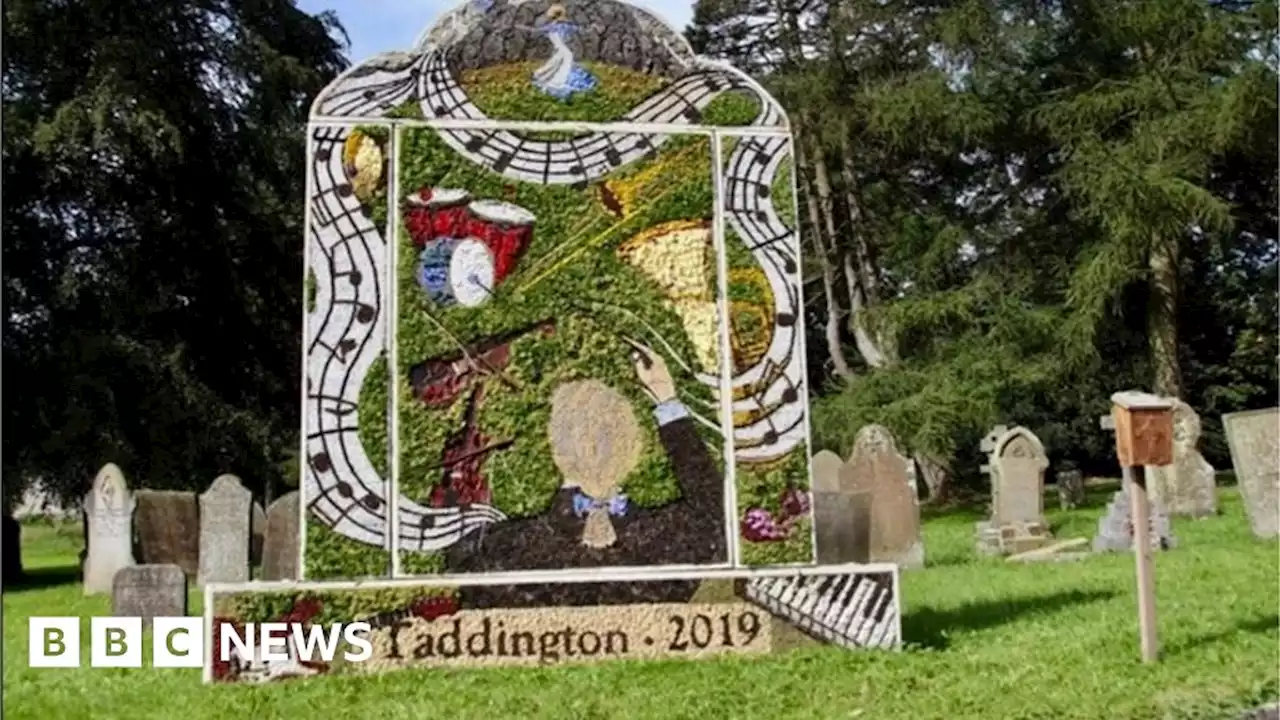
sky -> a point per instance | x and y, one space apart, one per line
377 26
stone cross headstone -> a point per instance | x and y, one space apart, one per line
992 469
1187 487
224 531
878 473
149 591
257 532
280 546
109 513
1254 439
1070 488
166 521
1115 527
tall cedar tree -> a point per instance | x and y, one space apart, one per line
153 155
983 152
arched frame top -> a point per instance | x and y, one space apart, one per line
475 66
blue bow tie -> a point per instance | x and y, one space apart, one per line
583 504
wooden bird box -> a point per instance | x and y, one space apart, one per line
1144 429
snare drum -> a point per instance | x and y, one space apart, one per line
434 213
457 271
506 228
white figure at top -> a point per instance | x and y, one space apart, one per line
560 77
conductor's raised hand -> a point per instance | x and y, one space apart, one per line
652 372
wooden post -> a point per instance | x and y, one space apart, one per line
1135 478
1144 436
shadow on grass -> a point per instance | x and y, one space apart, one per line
40 578
928 628
1256 625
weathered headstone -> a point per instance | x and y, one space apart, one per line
1016 463
1021 462
257 532
1254 440
839 515
1070 488
1186 487
1115 527
224 531
280 545
38 501
11 542
149 591
109 509
878 473
166 520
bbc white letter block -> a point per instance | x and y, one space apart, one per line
115 642
53 642
274 643
177 642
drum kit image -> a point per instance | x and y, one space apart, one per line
467 247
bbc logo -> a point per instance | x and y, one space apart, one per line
176 642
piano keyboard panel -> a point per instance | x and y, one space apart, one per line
850 610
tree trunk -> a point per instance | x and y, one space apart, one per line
839 363
1162 318
863 338
11 542
936 476
862 275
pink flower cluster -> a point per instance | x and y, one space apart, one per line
759 525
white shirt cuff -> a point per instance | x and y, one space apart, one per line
669 412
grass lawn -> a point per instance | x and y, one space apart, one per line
985 640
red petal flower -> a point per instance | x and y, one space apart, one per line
432 608
222 671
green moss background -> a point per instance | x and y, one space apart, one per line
337 606
587 342
371 413
506 92
332 556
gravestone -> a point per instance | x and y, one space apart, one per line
840 515
109 508
166 521
11 543
149 591
1016 463
224 531
1187 487
1070 488
1115 527
257 532
877 477
280 544
1254 439
38 501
